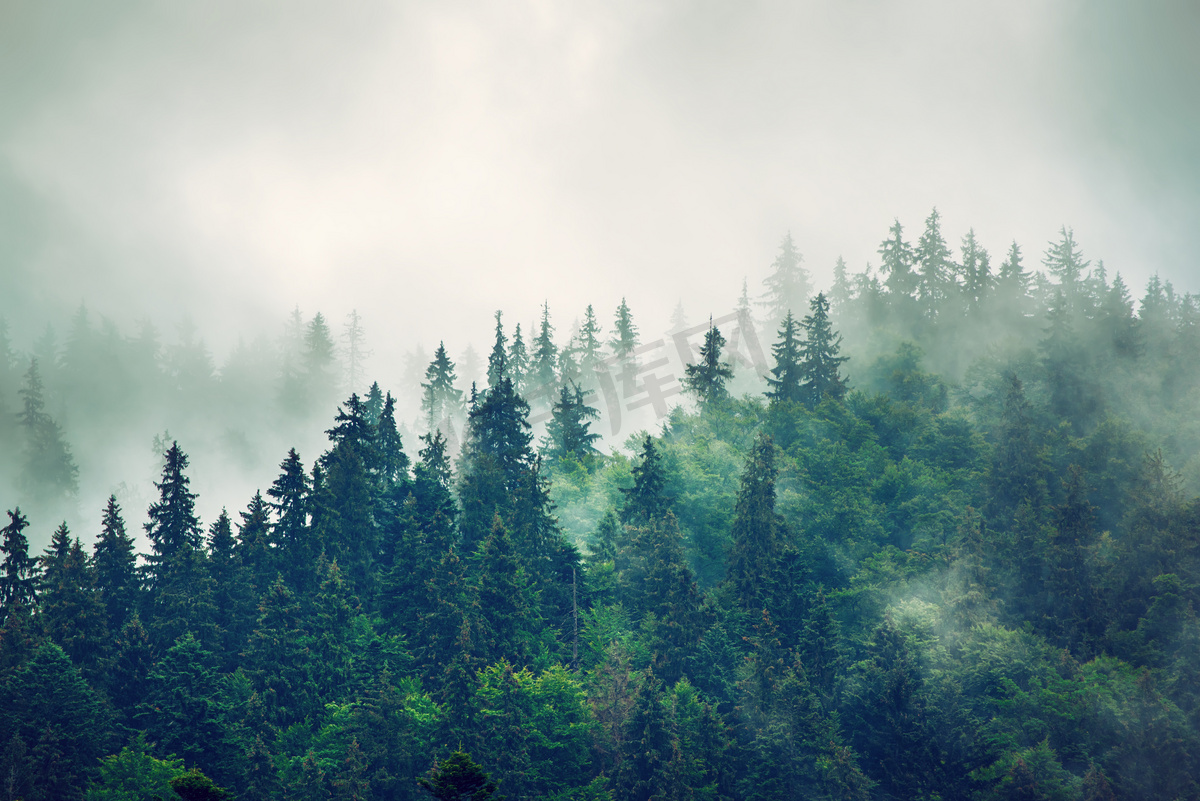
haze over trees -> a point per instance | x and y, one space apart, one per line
945 545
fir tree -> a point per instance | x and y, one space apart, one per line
173 525
497 360
786 376
756 556
936 267
590 355
544 375
116 567
788 285
458 778
50 474
897 262
567 429
706 379
517 363
439 399
820 361
624 338
1064 261
647 499
18 585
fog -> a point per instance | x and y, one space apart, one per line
426 164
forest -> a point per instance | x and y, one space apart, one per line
930 532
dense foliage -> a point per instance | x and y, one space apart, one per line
963 563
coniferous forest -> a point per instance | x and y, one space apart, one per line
939 542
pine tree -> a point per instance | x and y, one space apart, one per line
373 403
517 362
290 502
116 568
841 293
393 461
49 471
897 262
624 339
977 278
567 431
756 556
440 400
590 347
278 660
543 374
18 585
647 499
786 376
1064 261
497 360
231 589
936 267
354 339
173 525
1017 472
706 379
788 285
820 361
1012 284
319 365
458 778
507 621
72 613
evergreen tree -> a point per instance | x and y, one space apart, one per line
647 499
373 403
1017 471
440 400
1064 261
18 585
354 339
787 375
977 280
393 461
49 471
319 365
181 710
458 778
497 360
590 355
278 660
842 292
231 588
624 338
936 268
115 563
819 356
897 262
290 502
788 285
517 362
568 428
507 621
706 379
72 614
173 526
59 719
757 553
544 375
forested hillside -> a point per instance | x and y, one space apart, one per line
936 537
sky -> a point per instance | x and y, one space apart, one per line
428 163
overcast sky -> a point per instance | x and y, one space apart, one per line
428 163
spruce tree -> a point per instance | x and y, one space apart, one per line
173 525
756 556
115 564
977 278
49 471
935 265
507 622
897 263
393 461
497 359
590 346
458 778
568 428
1065 262
706 379
517 363
786 376
18 584
440 400
544 375
290 502
319 365
820 361
788 285
624 338
647 499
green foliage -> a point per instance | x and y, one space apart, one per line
134 774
